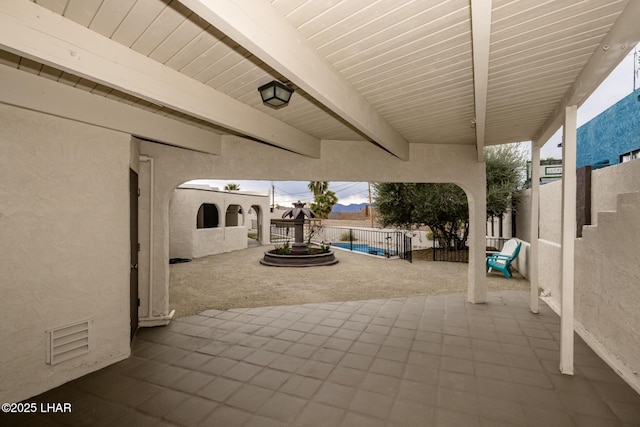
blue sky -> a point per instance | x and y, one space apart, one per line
615 87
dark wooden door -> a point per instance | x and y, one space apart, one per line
133 275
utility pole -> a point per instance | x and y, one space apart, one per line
273 197
636 66
370 206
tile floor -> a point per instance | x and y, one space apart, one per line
420 361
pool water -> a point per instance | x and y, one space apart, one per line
366 249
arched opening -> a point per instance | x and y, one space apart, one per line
208 216
255 228
234 217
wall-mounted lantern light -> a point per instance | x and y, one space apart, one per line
275 94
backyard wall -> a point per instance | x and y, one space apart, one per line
65 255
187 241
607 271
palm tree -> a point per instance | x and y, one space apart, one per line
232 187
318 187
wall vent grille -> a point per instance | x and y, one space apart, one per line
67 342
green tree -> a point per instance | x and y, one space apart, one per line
318 187
232 187
323 198
443 207
506 170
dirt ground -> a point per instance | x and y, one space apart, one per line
238 280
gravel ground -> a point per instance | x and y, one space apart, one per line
238 280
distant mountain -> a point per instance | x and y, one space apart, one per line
354 207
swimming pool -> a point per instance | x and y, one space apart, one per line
364 248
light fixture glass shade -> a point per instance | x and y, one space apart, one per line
275 94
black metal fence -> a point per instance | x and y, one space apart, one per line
451 254
386 243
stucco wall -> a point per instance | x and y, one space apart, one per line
187 241
64 257
612 133
608 282
607 271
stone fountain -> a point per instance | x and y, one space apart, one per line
301 254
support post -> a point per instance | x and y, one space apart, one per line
568 238
535 227
477 288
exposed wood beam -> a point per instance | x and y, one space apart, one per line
29 91
34 32
481 35
622 37
261 29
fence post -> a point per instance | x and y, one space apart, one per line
351 239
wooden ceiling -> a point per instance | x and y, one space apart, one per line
393 72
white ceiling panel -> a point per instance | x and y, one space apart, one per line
411 61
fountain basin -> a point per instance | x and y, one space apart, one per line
273 259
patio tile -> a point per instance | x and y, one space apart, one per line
270 378
242 371
408 413
217 366
249 397
353 419
347 376
335 394
417 392
226 416
300 386
261 357
237 352
356 361
219 389
301 350
371 403
282 407
315 369
193 381
400 362
163 402
191 411
387 367
319 415
193 360
381 383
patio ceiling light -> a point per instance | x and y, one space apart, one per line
275 94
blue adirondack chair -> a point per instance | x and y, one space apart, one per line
502 260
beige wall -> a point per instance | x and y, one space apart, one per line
607 271
64 257
608 282
187 241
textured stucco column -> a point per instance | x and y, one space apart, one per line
534 232
477 199
568 238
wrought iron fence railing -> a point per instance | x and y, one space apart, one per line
443 252
387 243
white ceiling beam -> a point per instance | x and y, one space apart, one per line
481 36
261 29
30 91
34 32
623 36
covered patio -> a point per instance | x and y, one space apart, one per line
107 106
416 361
